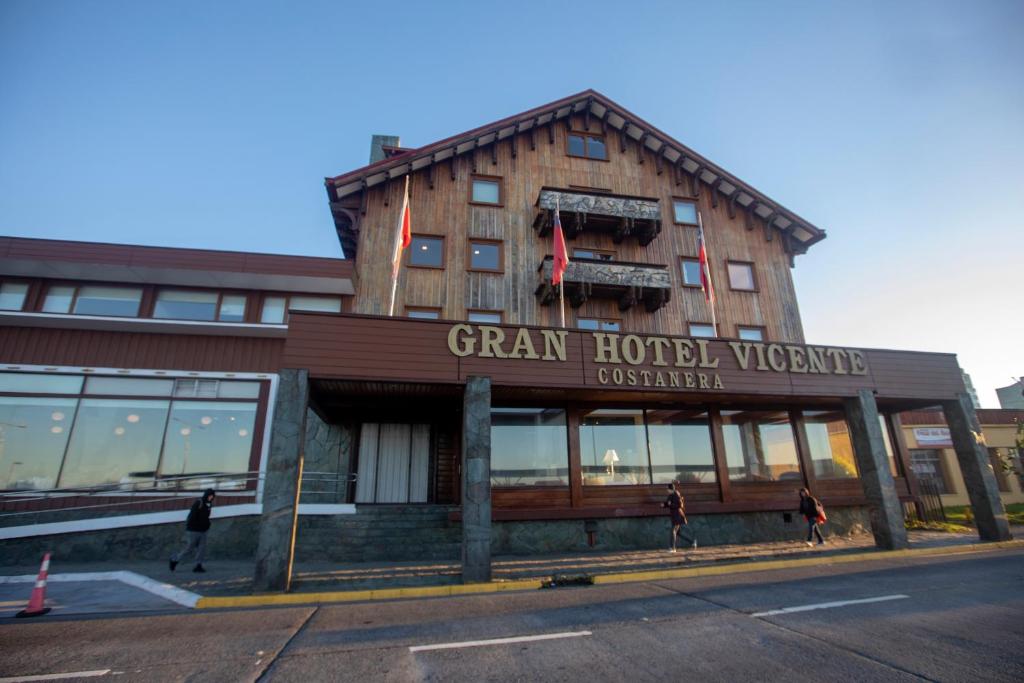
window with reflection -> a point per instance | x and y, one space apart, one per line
184 304
828 439
929 469
489 317
680 444
587 146
741 276
315 304
889 450
750 333
12 295
114 441
485 255
486 191
595 254
529 447
759 446
684 211
273 310
58 299
112 301
33 434
613 448
423 313
599 324
702 330
207 437
426 252
691 272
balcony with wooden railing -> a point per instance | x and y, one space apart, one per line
620 215
627 283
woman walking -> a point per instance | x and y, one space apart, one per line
814 513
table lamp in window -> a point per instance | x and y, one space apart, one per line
610 458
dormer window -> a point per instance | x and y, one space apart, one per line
587 146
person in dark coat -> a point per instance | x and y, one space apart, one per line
814 513
677 511
196 526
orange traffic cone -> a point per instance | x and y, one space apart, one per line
35 603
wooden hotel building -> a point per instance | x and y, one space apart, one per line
472 410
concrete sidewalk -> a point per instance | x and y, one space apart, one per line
233 578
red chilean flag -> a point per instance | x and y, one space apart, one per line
561 253
705 270
404 237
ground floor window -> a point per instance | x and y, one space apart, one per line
999 460
121 430
828 438
394 463
759 446
529 447
927 465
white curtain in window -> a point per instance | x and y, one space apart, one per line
394 463
366 479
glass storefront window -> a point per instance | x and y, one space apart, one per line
828 438
929 470
613 448
759 446
208 437
889 451
128 386
680 442
114 442
34 383
529 447
33 435
114 301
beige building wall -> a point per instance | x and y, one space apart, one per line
996 436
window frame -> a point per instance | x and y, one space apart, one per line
753 275
690 334
423 309
761 328
488 311
500 244
497 179
26 301
586 146
600 321
682 270
603 252
444 245
220 300
257 317
143 310
687 200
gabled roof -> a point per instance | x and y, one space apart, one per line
799 232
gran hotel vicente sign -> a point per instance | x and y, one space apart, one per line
631 360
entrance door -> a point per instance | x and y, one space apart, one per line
394 463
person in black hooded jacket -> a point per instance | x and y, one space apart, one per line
812 510
196 526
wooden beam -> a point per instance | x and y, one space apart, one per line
695 181
515 141
533 133
679 171
551 130
623 134
451 163
362 200
586 114
494 150
714 192
604 120
769 234
748 217
659 155
732 202
472 155
641 144
430 173
387 189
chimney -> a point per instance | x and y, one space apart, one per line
377 144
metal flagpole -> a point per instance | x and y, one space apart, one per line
398 244
709 296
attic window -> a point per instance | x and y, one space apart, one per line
587 146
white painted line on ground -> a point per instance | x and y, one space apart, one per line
498 641
166 591
827 605
56 677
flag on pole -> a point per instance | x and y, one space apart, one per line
705 270
402 240
561 252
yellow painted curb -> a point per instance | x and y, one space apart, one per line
624 577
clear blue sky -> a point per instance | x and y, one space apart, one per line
898 127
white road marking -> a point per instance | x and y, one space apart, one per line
56 677
163 590
827 605
496 641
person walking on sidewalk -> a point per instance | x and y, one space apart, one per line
814 513
196 526
677 511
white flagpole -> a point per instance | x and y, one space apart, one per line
398 245
561 285
707 266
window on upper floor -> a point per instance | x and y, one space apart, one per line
186 304
426 252
486 255
741 276
702 330
422 313
600 324
486 190
684 212
587 146
482 316
690 268
93 300
275 308
595 254
12 295
750 332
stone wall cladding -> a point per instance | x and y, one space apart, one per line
233 538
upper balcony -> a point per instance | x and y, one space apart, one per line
620 215
628 283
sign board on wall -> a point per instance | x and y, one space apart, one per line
932 436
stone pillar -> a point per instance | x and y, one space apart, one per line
276 546
972 454
873 464
322 460
476 480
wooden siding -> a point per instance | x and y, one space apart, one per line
89 348
445 211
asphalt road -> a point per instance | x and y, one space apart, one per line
953 619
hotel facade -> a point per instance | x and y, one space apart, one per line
471 419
